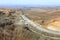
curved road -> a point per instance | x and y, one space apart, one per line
37 26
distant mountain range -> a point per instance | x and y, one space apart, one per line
30 6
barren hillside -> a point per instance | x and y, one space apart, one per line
45 17
11 31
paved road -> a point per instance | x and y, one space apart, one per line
24 19
37 26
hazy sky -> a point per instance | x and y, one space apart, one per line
30 2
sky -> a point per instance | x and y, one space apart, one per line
30 2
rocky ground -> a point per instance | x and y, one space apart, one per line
9 30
